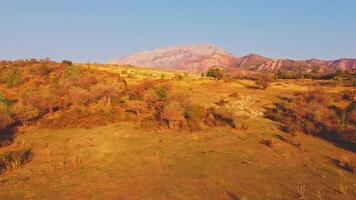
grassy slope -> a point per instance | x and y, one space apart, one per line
123 161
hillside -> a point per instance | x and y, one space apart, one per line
198 58
125 132
262 64
343 64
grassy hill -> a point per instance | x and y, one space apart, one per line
167 135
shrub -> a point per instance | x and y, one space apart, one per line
234 95
215 72
82 96
146 85
87 81
100 91
94 114
40 69
264 80
136 107
161 92
3 99
24 113
311 113
316 96
178 77
14 79
173 115
267 142
13 159
195 115
67 62
221 116
347 164
348 95
71 71
5 117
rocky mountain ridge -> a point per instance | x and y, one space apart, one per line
199 58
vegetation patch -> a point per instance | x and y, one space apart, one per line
317 113
13 159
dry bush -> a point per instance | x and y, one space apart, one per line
152 123
173 115
161 92
100 91
290 140
171 110
222 102
14 78
24 113
40 69
87 81
178 77
267 142
234 95
195 115
221 117
348 95
80 116
82 96
347 164
301 191
137 93
264 80
13 159
5 117
57 89
136 107
71 71
59 95
314 113
163 88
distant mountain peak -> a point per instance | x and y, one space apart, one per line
192 58
199 58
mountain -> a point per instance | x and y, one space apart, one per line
199 58
259 63
190 58
343 64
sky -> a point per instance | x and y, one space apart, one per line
98 30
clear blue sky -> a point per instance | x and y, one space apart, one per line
102 29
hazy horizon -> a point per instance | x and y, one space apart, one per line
100 30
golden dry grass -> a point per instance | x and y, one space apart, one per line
124 161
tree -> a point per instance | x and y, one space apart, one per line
216 73
67 62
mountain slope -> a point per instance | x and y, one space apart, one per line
259 63
199 58
343 64
190 58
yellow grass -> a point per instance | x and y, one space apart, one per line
125 161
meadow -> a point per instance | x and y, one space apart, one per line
97 131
